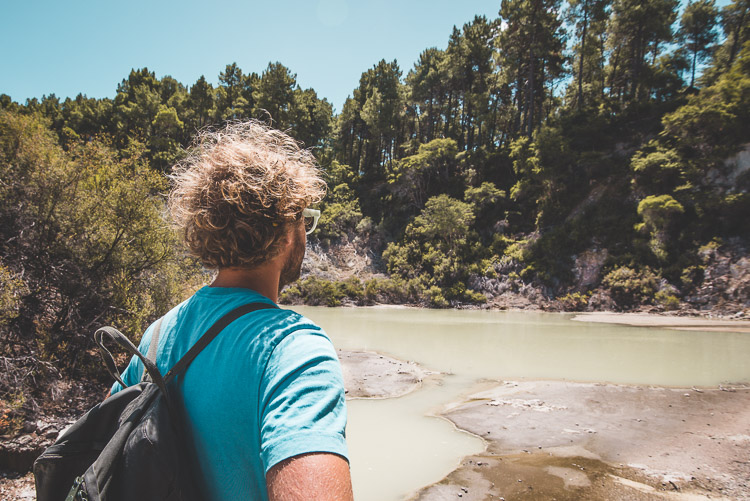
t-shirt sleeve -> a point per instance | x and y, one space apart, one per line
302 407
133 372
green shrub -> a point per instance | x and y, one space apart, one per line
484 267
86 225
667 300
315 291
393 290
312 291
576 301
706 250
11 413
518 250
475 297
529 272
658 213
338 219
500 244
12 288
692 276
365 226
459 292
455 291
630 287
485 195
374 288
435 298
439 253
352 289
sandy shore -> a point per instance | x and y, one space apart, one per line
573 441
665 321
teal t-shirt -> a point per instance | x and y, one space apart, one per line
269 387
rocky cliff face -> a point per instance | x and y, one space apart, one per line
345 259
735 168
588 267
721 287
725 290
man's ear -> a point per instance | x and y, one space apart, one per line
288 238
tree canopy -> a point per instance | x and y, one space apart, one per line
554 128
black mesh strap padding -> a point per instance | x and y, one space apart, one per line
211 334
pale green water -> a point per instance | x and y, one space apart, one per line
396 447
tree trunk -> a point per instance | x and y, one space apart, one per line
735 42
449 115
602 52
431 121
613 75
462 138
532 70
583 53
360 140
692 73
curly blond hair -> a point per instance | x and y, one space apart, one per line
237 192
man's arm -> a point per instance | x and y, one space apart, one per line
315 476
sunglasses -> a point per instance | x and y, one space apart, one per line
311 217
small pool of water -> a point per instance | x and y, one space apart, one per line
397 445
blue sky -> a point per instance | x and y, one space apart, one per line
89 46
72 46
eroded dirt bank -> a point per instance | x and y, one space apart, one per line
573 441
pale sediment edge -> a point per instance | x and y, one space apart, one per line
417 386
438 413
465 397
419 372
664 321
434 413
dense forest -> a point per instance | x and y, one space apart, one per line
593 152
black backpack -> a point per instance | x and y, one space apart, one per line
132 445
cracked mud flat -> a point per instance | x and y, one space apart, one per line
574 441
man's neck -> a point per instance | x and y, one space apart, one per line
263 279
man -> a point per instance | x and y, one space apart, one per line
265 399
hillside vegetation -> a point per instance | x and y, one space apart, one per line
593 154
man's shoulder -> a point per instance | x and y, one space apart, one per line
212 303
268 325
280 323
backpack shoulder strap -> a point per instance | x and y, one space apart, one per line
211 333
153 347
117 336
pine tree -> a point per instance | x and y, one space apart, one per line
275 95
639 31
201 101
698 30
531 46
590 20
